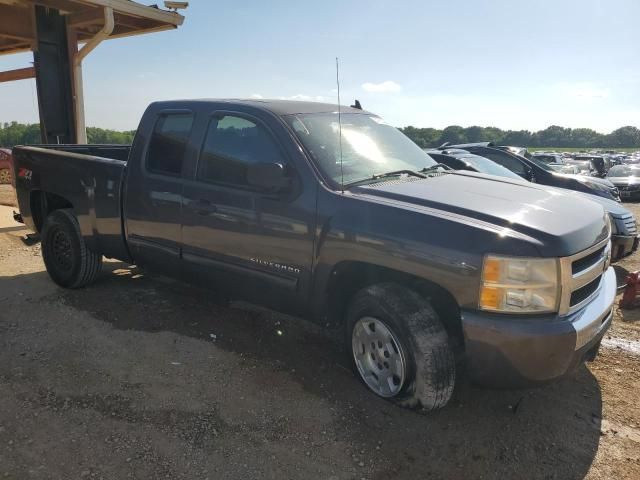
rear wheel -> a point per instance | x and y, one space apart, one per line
5 175
400 348
68 260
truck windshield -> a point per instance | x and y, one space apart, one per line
370 147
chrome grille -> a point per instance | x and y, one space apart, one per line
581 276
630 225
580 295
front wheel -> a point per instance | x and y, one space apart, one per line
68 260
399 347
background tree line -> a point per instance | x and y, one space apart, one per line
15 133
553 136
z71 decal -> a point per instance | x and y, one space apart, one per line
25 173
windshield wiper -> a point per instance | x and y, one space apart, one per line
433 167
378 176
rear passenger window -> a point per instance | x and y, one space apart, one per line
231 145
168 143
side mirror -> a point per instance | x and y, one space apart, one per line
528 174
270 177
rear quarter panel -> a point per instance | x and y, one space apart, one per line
92 185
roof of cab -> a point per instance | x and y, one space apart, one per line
279 107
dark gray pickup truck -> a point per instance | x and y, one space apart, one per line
342 219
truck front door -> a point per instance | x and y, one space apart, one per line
258 244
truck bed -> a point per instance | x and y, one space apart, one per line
108 151
87 177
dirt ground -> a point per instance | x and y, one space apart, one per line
143 377
7 195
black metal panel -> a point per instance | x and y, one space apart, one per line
53 77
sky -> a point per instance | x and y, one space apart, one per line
512 64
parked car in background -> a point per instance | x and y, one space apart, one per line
538 172
459 159
582 167
548 158
554 160
360 229
522 151
566 168
599 164
627 179
6 169
624 233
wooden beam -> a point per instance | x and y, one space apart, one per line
64 6
135 9
19 74
120 32
96 17
132 33
9 46
16 23
87 17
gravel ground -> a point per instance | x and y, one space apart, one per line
143 377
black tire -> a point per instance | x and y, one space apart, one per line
430 364
68 260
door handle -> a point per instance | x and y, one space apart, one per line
203 206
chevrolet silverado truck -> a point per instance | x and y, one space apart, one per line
329 213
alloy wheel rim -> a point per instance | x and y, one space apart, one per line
378 356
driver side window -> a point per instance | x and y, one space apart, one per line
232 144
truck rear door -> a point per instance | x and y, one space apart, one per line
153 201
259 244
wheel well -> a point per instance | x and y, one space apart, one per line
43 203
348 278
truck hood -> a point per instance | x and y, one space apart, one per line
589 179
610 206
593 183
585 178
559 224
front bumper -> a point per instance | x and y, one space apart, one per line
627 195
511 351
623 245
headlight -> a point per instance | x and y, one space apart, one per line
519 285
607 256
613 224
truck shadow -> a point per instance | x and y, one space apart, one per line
551 432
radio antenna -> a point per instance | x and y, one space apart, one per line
339 124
